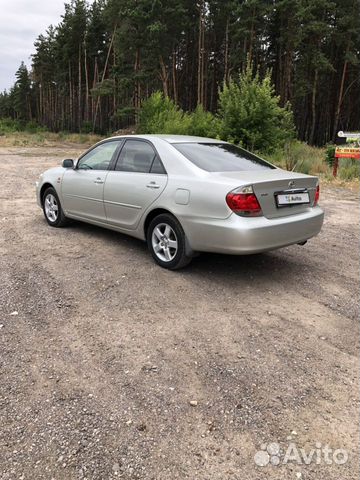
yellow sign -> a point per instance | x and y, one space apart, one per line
343 151
351 148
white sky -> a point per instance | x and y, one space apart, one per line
21 22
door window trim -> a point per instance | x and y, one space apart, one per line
114 162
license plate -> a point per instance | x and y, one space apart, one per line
292 198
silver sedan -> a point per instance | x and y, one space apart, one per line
183 195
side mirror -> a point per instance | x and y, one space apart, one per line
68 163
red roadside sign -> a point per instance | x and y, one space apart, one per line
347 152
349 148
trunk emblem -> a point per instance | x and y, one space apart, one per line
291 183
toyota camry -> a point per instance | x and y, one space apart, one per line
183 195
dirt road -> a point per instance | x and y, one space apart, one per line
114 368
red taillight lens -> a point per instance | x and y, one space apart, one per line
244 202
317 195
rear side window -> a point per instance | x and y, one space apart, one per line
136 156
221 157
157 166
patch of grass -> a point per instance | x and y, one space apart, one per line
349 169
329 180
300 157
44 138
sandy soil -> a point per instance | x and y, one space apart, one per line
114 368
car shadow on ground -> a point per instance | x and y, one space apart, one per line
274 264
110 237
267 264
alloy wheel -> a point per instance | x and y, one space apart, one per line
164 242
51 207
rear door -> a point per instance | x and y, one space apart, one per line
136 181
83 187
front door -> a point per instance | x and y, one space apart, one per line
83 187
136 182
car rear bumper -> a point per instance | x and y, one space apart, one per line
241 236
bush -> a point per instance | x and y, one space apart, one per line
86 127
330 155
251 115
33 127
159 114
203 124
8 125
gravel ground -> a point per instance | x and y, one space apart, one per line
112 367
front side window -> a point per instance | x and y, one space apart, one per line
221 157
136 156
98 158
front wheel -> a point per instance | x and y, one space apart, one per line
167 242
52 209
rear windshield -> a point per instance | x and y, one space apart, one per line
221 157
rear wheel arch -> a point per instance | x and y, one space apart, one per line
167 241
154 213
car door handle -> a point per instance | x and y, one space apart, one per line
153 185
99 181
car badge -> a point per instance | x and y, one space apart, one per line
291 183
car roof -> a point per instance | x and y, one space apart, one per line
174 138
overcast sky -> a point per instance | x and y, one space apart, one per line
21 22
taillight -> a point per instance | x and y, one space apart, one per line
243 201
317 195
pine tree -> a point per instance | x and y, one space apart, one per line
22 94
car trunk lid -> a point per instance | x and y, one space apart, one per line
268 184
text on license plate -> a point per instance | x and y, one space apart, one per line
292 198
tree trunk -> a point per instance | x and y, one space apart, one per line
137 87
226 53
313 107
86 86
340 97
174 80
70 100
103 75
41 101
95 80
79 119
251 37
200 83
164 76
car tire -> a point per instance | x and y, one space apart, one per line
53 212
167 242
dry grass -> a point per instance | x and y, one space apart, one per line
41 139
353 185
300 157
